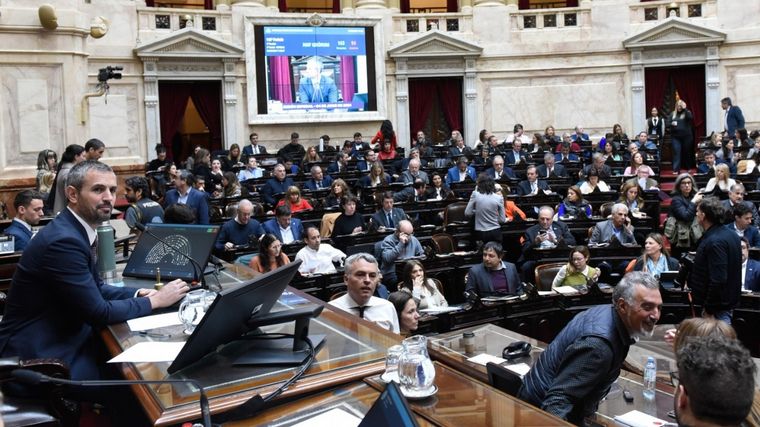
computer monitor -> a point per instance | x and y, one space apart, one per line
390 409
195 241
227 318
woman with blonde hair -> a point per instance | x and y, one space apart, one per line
338 190
311 156
574 204
294 201
720 185
630 195
655 258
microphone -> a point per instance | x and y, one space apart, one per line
30 377
197 269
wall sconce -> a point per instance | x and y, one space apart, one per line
47 17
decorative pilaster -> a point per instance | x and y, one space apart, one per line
152 113
230 101
403 137
493 2
713 113
638 94
470 131
370 4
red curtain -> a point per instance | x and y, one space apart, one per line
523 4
421 93
282 5
450 94
690 84
172 103
279 79
150 3
347 78
572 3
208 4
336 6
452 6
404 6
207 99
656 82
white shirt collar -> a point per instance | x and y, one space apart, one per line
24 223
91 233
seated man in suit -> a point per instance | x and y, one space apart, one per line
498 171
459 149
318 179
314 86
644 141
736 196
340 165
414 153
494 276
579 135
750 270
277 184
516 155
708 165
413 173
461 172
398 246
547 234
423 144
387 217
359 146
550 169
184 193
415 193
532 185
618 227
287 229
564 154
58 300
362 277
29 206
365 165
742 225
493 148
239 231
598 162
254 148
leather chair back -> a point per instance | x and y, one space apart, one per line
443 243
454 213
545 274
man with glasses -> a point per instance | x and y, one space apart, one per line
715 382
361 278
576 370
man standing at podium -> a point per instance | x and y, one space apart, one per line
57 298
575 372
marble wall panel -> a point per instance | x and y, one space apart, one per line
745 93
108 120
33 114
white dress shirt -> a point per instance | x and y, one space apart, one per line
287 235
378 310
321 261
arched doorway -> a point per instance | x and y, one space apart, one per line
435 107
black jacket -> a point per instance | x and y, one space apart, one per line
716 277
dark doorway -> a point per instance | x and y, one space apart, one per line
190 114
666 85
435 107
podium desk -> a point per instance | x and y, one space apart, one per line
353 350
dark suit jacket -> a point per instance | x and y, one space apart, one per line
734 120
559 171
378 218
703 168
456 152
729 218
197 200
561 230
523 188
248 150
272 227
272 187
55 301
452 176
327 92
479 280
310 184
505 174
511 159
751 234
21 234
333 168
752 277
407 195
571 157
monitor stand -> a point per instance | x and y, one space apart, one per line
286 351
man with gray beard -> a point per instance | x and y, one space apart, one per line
576 370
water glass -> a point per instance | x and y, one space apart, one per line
391 362
194 307
415 369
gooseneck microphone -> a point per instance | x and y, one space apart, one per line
30 377
198 276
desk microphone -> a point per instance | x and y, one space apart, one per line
196 267
30 377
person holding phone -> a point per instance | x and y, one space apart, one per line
618 227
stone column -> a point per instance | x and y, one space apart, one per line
230 102
394 5
370 4
713 112
403 137
638 95
470 131
152 115
493 2
260 3
465 6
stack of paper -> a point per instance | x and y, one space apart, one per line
640 419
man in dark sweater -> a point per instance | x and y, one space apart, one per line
292 152
278 183
577 369
239 230
716 277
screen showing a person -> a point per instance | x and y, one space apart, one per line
315 69
150 254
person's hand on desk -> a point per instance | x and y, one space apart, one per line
229 246
168 295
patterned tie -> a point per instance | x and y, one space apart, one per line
361 310
390 220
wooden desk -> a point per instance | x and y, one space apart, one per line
462 401
354 349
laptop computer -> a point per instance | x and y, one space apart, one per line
194 241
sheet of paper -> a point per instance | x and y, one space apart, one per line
519 368
640 419
500 298
483 359
545 293
333 417
435 310
149 351
155 321
567 290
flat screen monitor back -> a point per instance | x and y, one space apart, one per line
195 241
390 409
227 317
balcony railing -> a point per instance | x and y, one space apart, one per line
154 22
566 17
659 10
422 22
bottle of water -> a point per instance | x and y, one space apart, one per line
650 377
